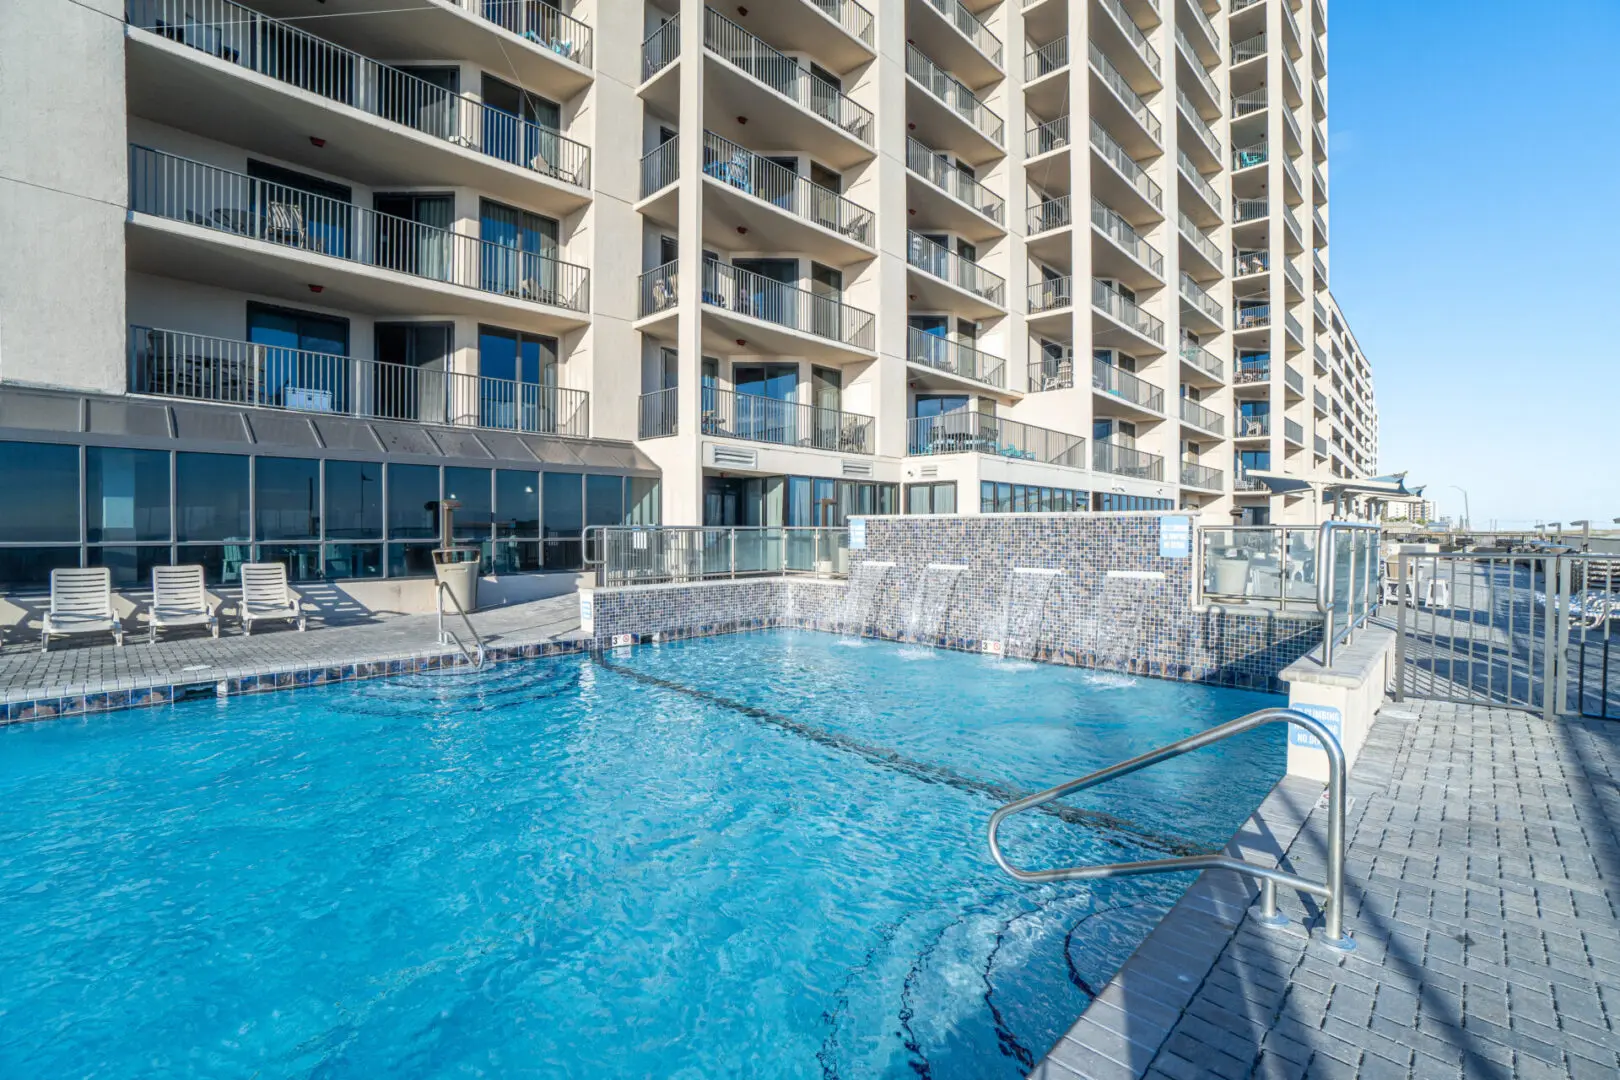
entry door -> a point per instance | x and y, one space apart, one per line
767 402
303 363
827 285
413 236
411 379
519 254
778 185
431 108
521 127
769 290
827 396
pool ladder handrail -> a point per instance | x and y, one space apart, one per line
1331 891
448 636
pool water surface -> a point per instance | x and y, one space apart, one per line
758 855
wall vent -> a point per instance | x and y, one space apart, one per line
735 455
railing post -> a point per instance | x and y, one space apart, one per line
733 552
1549 633
1400 627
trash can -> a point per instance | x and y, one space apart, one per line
458 568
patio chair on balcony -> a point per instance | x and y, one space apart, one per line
266 597
81 603
285 225
180 599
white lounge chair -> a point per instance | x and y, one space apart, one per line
266 596
179 599
81 603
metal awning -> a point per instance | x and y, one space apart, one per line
1330 487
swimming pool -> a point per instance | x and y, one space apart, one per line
757 855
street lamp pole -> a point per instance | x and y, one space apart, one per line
1468 516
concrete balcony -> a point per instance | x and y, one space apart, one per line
946 114
1127 257
1201 477
1206 420
950 33
780 210
1202 204
942 280
1123 39
175 364
946 197
234 75
1046 87
1119 181
656 414
1122 393
774 317
1201 366
753 418
966 431
1121 312
1202 311
942 360
1116 460
1050 305
1121 109
211 225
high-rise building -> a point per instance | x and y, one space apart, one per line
775 263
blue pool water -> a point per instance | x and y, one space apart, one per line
759 856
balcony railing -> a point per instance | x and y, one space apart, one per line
657 289
1200 476
1129 98
1320 400
1200 417
180 189
956 357
1247 483
1205 190
953 181
1251 426
243 37
1247 157
171 363
1126 461
1321 445
754 418
1320 312
1321 225
966 431
1247 104
1320 267
1293 431
1252 317
956 96
1293 380
947 265
1049 215
1051 295
1295 331
1133 33
1292 173
1204 360
1106 298
656 414
1126 386
1046 137
1199 238
1292 222
1197 123
1249 210
661 48
1292 274
1117 229
968 24
1202 20
540 23
1045 59
1116 156
1197 65
1198 298
747 293
660 167
1053 371
850 15
1248 48
783 74
740 168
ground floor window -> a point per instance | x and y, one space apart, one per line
792 501
1108 500
1029 499
936 498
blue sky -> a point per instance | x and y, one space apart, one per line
1474 179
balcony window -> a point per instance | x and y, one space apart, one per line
287 498
517 380
49 474
301 366
400 245
521 127
297 209
354 504
562 518
519 252
126 495
413 503
409 382
474 518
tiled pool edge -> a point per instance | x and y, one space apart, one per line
56 703
1122 1030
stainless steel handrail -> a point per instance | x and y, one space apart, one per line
447 636
1331 891
1327 581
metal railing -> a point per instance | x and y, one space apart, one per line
1320 445
1320 400
1248 49
1205 134
1252 317
539 23
656 413
1133 34
1293 380
1196 295
849 15
953 181
1200 476
175 364
657 288
1048 215
1292 172
1198 416
954 94
1291 272
1115 155
1053 371
1293 431
956 357
1128 97
1249 263
1331 891
1295 330
781 73
969 26
1051 295
1122 384
1199 238
1247 157
1045 137
940 261
1348 586
966 431
180 189
1202 19
1267 563
1193 61
1248 104
446 636
1045 59
740 168
747 293
1320 267
1251 425
1249 210
754 418
627 555
661 48
661 166
1126 461
1107 299
281 51
1117 229
1203 187
1204 360
1293 224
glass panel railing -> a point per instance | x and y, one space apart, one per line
1195 295
172 363
1129 98
1200 476
1295 331
1117 229
1198 416
1293 380
1293 431
740 168
1116 156
755 418
1259 562
1107 299
954 94
953 181
967 431
957 357
783 74
746 293
945 264
180 189
1126 386
1126 461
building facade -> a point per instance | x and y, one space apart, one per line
768 264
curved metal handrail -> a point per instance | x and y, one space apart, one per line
1327 580
1332 891
447 636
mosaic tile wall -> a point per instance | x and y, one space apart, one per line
696 609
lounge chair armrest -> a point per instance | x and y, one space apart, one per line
215 604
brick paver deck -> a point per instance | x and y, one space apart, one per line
1483 873
81 667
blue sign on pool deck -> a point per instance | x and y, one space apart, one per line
1175 537
1327 715
757 856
